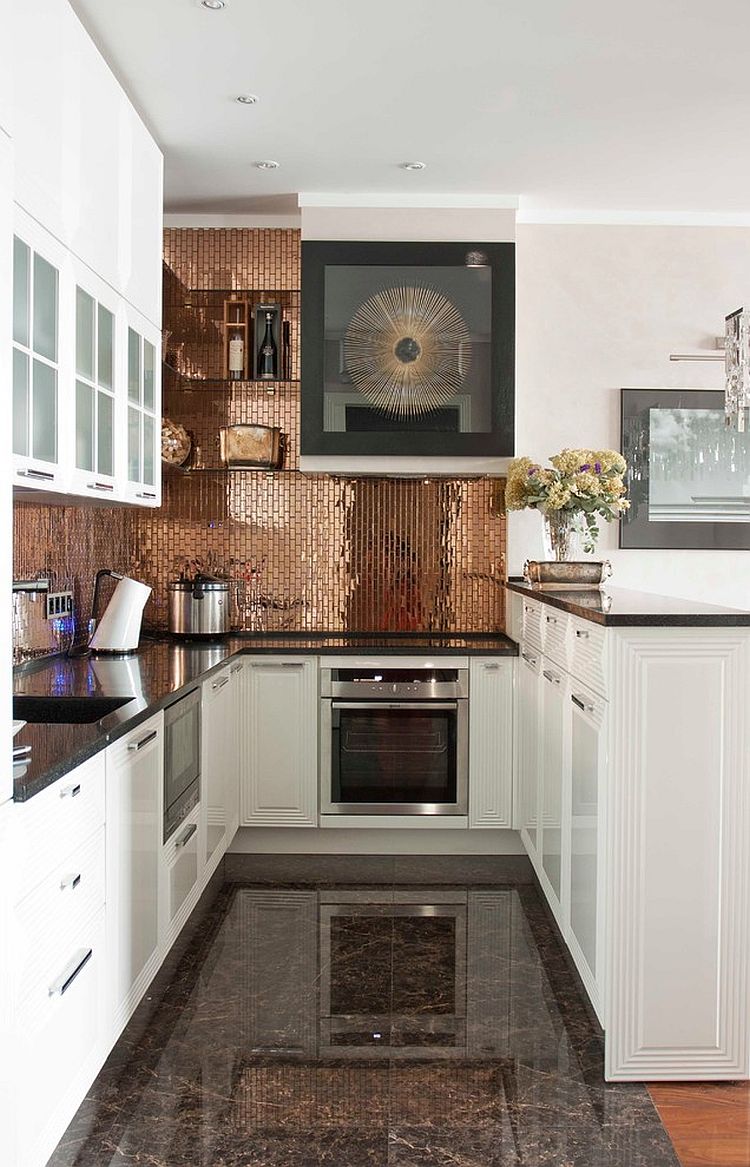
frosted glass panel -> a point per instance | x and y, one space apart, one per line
148 450
44 413
149 354
106 349
21 258
84 426
105 435
20 403
134 445
84 334
45 308
134 365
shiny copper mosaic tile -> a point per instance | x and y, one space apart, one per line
308 552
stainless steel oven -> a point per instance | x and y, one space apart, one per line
182 759
394 740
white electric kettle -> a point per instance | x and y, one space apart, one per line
119 629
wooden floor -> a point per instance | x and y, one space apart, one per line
708 1123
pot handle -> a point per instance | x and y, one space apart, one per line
198 592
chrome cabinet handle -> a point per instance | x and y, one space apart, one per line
491 665
582 634
145 494
43 475
531 659
71 791
236 668
551 677
551 619
135 746
70 972
586 706
185 838
70 881
100 486
220 684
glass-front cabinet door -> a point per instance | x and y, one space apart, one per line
143 414
38 351
95 384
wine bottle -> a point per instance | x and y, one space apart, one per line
267 354
236 356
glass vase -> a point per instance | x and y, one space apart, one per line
560 542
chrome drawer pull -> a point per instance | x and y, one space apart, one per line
586 706
185 838
145 494
71 791
491 665
70 881
551 619
43 475
220 684
99 486
531 659
134 746
236 668
582 634
551 677
70 972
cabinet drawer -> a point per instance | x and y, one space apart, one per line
61 1032
588 654
183 867
555 638
532 622
56 822
58 908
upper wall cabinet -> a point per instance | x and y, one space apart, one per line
86 167
86 387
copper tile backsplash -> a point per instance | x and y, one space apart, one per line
309 552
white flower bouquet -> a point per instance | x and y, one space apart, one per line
577 488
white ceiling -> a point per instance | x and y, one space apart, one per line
571 105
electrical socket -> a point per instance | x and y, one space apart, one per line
59 604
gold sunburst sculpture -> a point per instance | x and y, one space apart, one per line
407 350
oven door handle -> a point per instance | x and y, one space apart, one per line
403 704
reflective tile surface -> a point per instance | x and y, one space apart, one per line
321 1020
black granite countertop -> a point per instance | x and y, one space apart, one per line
622 607
164 669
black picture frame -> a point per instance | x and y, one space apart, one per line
638 528
498 441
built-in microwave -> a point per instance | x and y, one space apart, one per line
182 759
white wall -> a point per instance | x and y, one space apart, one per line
600 308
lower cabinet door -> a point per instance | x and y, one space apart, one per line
587 768
554 762
491 742
279 785
133 832
181 862
527 753
62 1035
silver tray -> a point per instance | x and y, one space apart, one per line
570 574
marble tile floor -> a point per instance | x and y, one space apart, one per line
364 1013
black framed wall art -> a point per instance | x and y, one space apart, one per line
407 349
688 473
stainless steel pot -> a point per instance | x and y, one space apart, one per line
199 607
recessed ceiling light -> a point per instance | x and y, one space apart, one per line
247 98
413 165
267 164
212 5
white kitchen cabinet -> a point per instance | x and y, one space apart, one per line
135 770
97 389
553 773
181 869
140 416
527 748
57 1029
279 782
491 741
588 755
220 760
